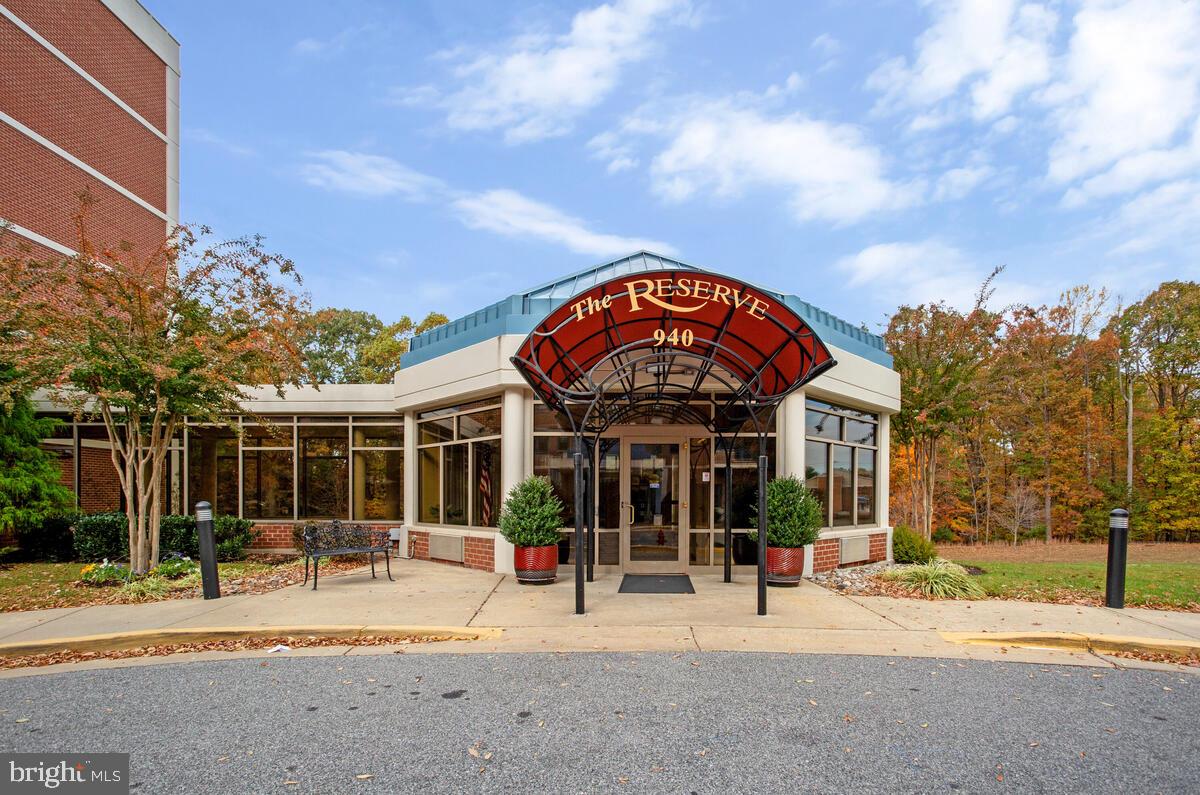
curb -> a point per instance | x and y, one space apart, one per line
115 641
1073 641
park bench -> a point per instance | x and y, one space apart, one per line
326 539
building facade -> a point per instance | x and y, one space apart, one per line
433 453
89 100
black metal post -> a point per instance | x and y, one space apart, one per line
762 531
729 512
208 551
1118 548
589 492
580 540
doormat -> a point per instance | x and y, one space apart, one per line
656 583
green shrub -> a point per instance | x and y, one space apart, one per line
104 573
939 579
232 535
944 535
174 568
794 514
146 589
49 540
532 514
102 536
106 535
908 547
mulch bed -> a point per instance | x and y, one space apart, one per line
240 644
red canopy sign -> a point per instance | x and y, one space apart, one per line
668 331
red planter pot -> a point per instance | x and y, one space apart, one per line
785 566
536 565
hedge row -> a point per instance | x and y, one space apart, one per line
94 537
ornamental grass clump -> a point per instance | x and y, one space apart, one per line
794 514
937 579
532 514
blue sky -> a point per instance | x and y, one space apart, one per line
442 155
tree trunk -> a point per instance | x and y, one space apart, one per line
1129 442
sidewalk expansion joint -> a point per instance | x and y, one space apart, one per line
486 599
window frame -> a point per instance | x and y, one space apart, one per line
455 413
844 413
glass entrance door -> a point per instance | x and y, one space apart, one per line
652 507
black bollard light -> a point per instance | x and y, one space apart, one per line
1118 548
208 551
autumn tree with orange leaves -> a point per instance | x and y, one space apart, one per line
145 339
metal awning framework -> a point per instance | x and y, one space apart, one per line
690 346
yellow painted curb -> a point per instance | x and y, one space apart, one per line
113 641
1074 641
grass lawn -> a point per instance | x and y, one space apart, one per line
1172 586
35 586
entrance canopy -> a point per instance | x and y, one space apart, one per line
695 347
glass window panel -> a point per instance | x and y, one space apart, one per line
608 514
480 423
699 553
324 472
267 436
552 459
546 420
824 426
745 485
267 484
842 490
324 419
813 403
700 468
379 484
487 483
866 486
378 435
394 419
436 430
455 486
429 485
816 474
859 432
212 469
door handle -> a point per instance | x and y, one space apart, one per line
629 505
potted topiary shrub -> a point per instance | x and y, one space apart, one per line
530 520
794 519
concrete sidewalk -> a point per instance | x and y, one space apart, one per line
719 616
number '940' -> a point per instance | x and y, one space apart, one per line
674 337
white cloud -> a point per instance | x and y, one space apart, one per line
367 175
931 270
509 213
201 135
537 86
1130 87
724 147
1166 217
828 48
314 47
502 211
958 182
993 50
607 146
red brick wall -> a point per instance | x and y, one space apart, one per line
43 93
878 550
38 191
99 486
827 552
479 553
91 36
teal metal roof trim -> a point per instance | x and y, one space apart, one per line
520 313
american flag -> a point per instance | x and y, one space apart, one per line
485 486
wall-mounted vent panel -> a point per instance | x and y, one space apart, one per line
446 547
855 550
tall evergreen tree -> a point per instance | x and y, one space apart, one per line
29 477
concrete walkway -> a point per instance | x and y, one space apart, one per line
717 617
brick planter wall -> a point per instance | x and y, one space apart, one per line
478 553
827 552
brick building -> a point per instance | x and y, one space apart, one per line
89 100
